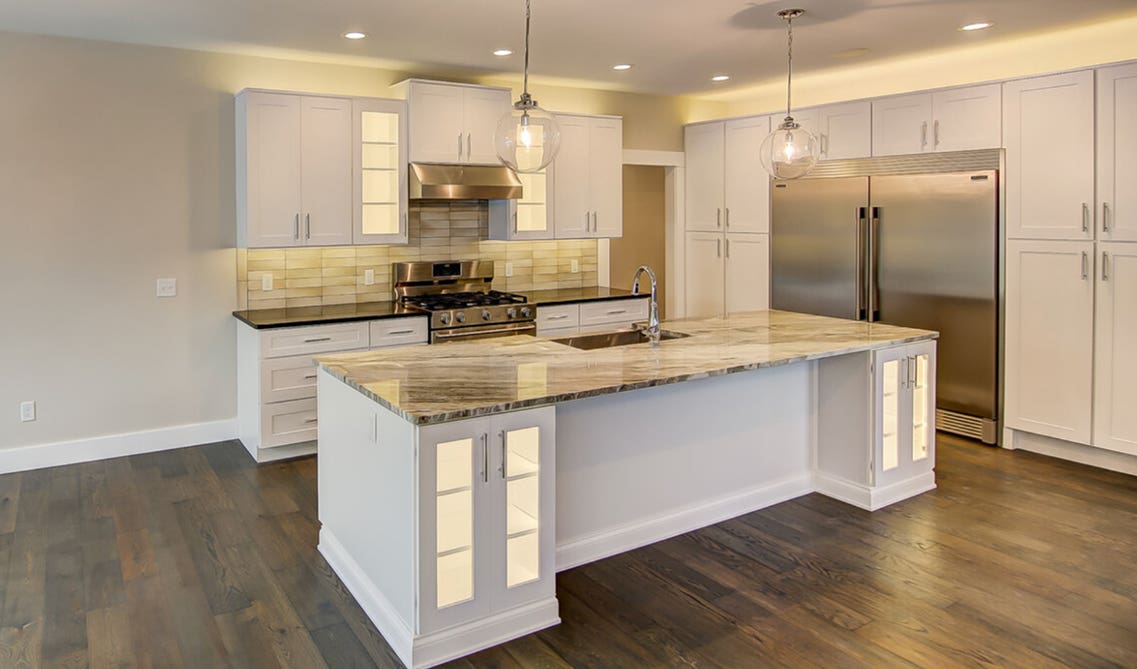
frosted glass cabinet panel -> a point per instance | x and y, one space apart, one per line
526 218
523 505
890 415
904 431
380 159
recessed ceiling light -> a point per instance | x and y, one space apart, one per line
721 77
977 26
354 35
622 67
503 52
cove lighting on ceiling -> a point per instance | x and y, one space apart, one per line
976 26
721 77
503 52
621 67
355 35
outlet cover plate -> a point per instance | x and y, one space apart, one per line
167 287
27 412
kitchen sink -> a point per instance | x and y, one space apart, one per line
588 342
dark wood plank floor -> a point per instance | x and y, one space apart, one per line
198 558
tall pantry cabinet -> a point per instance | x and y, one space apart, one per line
1071 332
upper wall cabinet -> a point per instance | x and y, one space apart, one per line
294 170
379 159
727 188
453 123
1048 131
845 130
1117 153
588 177
529 217
953 120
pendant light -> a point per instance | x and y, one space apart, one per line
527 138
790 151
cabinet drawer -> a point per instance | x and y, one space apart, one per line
553 333
313 339
558 316
396 331
286 423
291 378
613 311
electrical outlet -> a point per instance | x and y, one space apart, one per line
369 277
167 287
509 269
27 412
575 266
266 282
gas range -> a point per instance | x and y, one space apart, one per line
458 297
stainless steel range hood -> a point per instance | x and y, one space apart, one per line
430 181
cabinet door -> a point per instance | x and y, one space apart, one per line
326 151
455 541
524 507
437 134
846 130
1050 338
1117 152
921 416
272 149
1048 131
810 119
704 274
890 386
379 162
572 217
900 124
747 272
704 157
1115 421
967 118
606 176
482 108
745 184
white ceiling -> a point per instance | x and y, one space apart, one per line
675 45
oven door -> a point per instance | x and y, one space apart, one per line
483 332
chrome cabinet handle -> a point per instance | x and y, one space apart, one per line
718 218
613 312
515 221
726 218
728 248
459 147
401 332
1085 217
825 145
718 248
1085 265
317 339
936 134
469 150
1104 266
504 473
560 317
296 228
309 377
595 221
307 226
924 135
485 458
311 420
587 221
1105 217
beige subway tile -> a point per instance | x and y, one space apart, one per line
338 252
339 280
330 300
544 285
303 273
298 258
267 303
254 265
266 255
290 293
338 290
349 270
296 302
314 282
338 262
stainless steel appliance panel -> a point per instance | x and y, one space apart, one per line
817 232
483 332
936 268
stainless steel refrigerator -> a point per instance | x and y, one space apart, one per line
895 241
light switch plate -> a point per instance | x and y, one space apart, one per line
167 287
27 412
575 266
266 282
509 269
369 277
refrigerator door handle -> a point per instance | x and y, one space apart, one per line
874 241
861 214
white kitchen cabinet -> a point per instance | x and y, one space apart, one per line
486 516
1117 153
293 169
747 272
704 148
379 159
529 217
560 320
1048 132
704 267
956 119
588 177
727 188
1115 352
453 123
845 130
904 392
1050 338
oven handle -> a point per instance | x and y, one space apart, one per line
472 332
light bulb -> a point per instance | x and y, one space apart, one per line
525 137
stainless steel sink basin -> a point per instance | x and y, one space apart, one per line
596 340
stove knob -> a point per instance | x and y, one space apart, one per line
485 314
526 312
511 313
460 316
445 319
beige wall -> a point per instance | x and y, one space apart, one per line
644 237
116 168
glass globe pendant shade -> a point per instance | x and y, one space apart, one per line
527 138
790 151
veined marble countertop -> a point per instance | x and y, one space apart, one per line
439 383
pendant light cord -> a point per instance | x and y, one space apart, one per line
789 61
525 86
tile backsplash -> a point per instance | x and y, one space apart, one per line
454 230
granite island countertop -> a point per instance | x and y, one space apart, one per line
446 382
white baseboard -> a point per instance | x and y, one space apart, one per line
1066 450
578 551
871 499
25 458
433 649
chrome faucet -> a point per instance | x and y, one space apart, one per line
653 314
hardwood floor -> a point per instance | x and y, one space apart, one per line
198 558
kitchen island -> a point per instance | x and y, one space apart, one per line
455 480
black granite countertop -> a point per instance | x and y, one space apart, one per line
366 311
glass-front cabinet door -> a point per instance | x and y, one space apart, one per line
891 385
380 171
904 418
529 217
